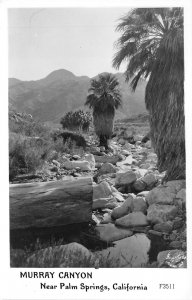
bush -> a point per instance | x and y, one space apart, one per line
26 155
78 120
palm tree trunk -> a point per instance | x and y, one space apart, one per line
164 99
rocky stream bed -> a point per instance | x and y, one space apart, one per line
137 220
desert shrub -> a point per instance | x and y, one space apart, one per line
78 120
70 139
26 154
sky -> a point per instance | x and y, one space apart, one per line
81 40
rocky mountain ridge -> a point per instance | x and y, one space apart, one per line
48 99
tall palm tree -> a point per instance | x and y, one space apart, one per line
152 45
104 98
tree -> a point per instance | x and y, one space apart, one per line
152 44
104 98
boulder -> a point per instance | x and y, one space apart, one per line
175 185
65 256
166 227
83 165
125 178
139 204
91 159
172 259
139 185
160 195
182 195
126 253
149 179
124 209
113 159
101 190
107 168
132 220
158 213
100 203
111 233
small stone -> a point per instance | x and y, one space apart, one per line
158 213
155 232
106 219
143 194
111 233
125 152
118 196
132 219
54 169
76 157
102 149
55 162
145 166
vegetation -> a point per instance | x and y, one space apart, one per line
152 42
104 98
78 120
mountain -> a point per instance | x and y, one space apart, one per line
48 99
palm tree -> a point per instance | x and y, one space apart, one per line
104 98
152 45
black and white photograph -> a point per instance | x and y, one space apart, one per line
97 147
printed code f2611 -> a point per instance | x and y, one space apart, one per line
165 286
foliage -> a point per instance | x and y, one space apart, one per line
144 31
104 97
76 120
152 44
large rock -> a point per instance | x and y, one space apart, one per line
83 165
158 213
172 259
175 185
139 204
91 159
100 203
111 233
125 178
65 256
107 168
166 227
101 190
132 220
139 185
126 253
107 159
182 195
124 209
149 179
161 195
